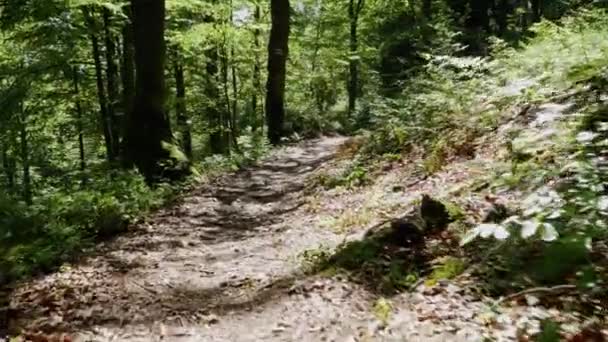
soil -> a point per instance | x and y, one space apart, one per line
224 264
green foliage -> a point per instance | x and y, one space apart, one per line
63 224
447 268
562 220
382 310
367 261
352 177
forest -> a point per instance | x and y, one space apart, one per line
340 170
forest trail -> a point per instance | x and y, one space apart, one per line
222 265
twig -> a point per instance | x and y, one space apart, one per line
416 284
152 291
545 290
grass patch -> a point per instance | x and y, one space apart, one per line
447 268
367 262
383 310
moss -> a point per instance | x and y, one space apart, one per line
455 212
449 268
383 309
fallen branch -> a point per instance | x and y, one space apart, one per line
416 284
545 290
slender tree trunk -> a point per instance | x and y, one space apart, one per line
25 156
524 16
256 122
234 117
148 131
101 91
235 94
8 164
127 74
278 49
180 107
479 15
502 11
537 10
111 78
216 141
79 125
427 9
354 8
316 93
227 112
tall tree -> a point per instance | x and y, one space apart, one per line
256 122
427 9
79 125
537 10
148 137
181 111
101 89
112 85
278 49
25 154
354 9
127 75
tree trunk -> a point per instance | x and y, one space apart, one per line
479 18
537 10
25 156
354 8
427 9
235 93
255 121
127 74
149 136
278 49
79 126
316 93
216 141
227 112
502 11
111 78
101 92
8 164
180 107
524 16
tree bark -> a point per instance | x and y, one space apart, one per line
183 121
227 112
427 9
479 18
316 93
537 10
79 125
216 140
112 85
278 49
354 8
127 74
148 131
503 9
25 156
255 121
101 91
8 164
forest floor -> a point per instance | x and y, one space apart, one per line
225 264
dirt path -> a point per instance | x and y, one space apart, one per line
222 265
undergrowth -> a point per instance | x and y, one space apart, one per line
560 231
63 223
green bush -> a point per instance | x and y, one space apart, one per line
63 224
